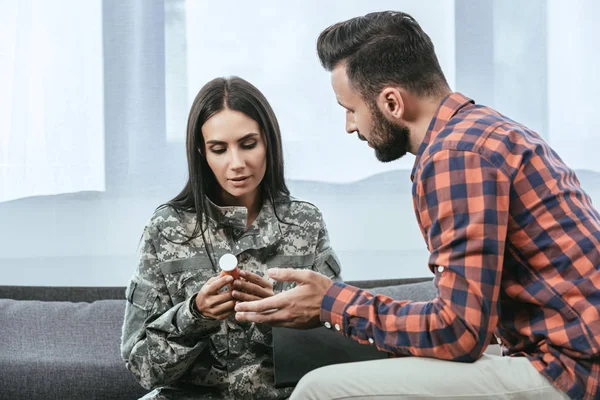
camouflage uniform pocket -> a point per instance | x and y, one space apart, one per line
330 267
261 334
293 261
141 298
141 295
186 277
304 261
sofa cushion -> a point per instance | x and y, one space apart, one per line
63 350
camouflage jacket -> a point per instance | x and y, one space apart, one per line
170 348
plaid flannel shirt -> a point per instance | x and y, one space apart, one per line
514 246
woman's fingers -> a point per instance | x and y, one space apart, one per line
241 296
256 279
252 289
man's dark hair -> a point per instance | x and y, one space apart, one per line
380 49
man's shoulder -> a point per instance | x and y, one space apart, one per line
469 128
485 131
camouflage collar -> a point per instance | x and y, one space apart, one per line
232 216
263 232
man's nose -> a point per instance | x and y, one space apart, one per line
350 125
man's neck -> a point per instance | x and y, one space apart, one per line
427 109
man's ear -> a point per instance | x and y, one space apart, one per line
391 103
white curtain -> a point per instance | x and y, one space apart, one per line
574 82
51 97
94 95
272 44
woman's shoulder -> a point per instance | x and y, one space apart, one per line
166 216
293 208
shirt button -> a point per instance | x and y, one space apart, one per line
337 327
371 340
327 325
440 269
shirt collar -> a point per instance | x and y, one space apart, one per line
232 216
263 231
447 109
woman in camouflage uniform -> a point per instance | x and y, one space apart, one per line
180 336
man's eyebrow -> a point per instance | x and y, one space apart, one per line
347 108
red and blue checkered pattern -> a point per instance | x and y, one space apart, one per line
514 244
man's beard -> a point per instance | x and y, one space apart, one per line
391 140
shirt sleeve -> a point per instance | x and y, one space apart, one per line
326 261
461 202
160 340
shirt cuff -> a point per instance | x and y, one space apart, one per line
188 318
337 299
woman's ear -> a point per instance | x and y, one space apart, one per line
391 103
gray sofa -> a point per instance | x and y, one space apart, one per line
63 342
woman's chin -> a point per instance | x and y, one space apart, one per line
240 192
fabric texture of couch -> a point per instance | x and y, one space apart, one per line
63 342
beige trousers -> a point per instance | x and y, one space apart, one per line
490 377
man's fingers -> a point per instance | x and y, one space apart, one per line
291 275
256 279
270 303
270 317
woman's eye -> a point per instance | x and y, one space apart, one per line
218 150
250 145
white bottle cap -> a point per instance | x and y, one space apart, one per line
228 262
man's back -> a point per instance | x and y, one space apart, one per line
549 290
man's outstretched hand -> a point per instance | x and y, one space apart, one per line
299 307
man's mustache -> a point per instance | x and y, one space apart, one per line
361 137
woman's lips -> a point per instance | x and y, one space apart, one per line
239 181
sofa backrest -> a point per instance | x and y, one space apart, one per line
90 294
75 294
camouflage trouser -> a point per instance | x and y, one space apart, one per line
179 394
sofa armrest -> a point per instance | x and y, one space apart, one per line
297 352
